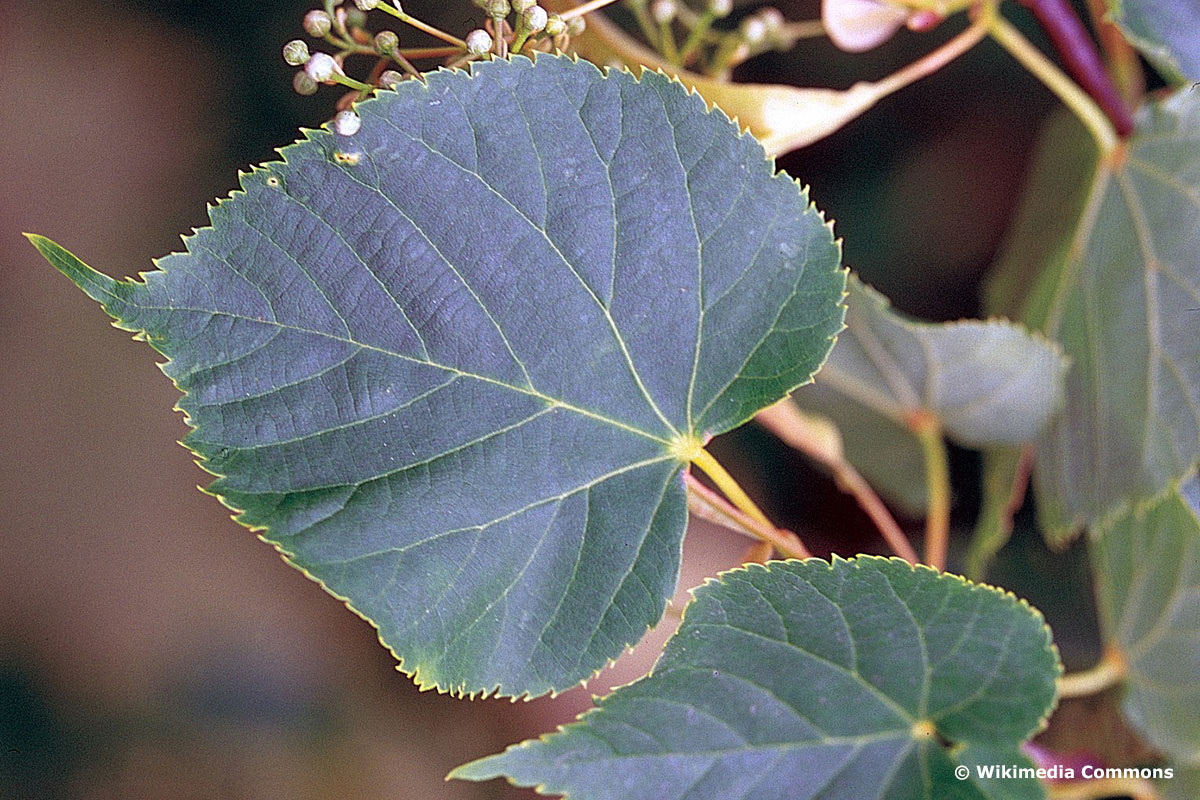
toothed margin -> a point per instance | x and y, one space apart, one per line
320 138
714 583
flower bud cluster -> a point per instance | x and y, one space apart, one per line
341 27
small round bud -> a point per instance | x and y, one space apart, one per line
663 11
295 52
720 8
576 26
534 18
347 123
321 67
366 5
497 9
555 25
303 84
386 41
521 6
355 18
479 42
753 30
772 18
390 79
317 23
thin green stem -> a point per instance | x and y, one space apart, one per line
586 8
937 479
666 43
644 23
347 81
429 52
1090 114
421 26
1111 670
728 486
934 60
804 29
696 36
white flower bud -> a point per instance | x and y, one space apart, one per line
479 42
386 41
498 8
303 84
576 26
720 8
347 123
317 23
321 67
555 25
390 79
295 52
663 11
366 5
521 6
534 18
859 25
753 30
772 19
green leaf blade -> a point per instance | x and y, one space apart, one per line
445 364
804 680
1117 292
1166 31
1147 564
986 382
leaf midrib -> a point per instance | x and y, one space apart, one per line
554 402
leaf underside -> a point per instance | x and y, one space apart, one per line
1119 291
1147 565
986 382
1166 31
446 364
807 680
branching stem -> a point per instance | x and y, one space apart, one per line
421 26
706 503
793 428
1056 80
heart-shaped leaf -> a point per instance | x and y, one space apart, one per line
987 383
1119 288
453 365
1147 565
1166 31
864 678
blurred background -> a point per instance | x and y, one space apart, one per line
152 648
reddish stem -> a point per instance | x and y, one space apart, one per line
1081 58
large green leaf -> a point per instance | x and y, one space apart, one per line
1147 565
1118 288
1166 31
864 678
454 365
987 383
